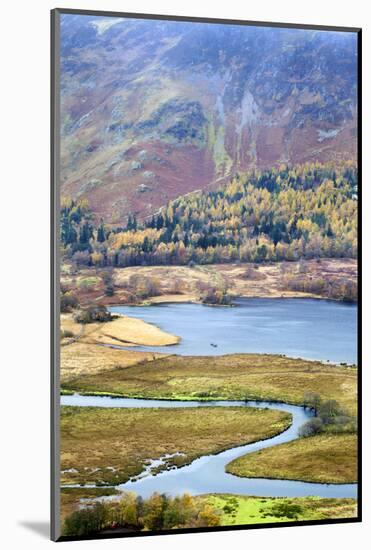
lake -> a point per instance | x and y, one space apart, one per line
308 328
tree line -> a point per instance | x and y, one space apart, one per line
133 513
285 213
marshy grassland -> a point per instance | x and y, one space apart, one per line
247 510
113 445
237 376
80 359
325 458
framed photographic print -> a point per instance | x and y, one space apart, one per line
205 274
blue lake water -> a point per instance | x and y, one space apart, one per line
312 329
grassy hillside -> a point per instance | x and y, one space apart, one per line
152 110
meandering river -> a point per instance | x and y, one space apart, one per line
311 329
207 474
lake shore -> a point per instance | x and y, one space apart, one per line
91 348
293 327
328 278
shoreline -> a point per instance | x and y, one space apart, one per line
184 283
132 347
169 299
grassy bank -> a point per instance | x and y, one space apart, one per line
241 510
113 445
322 459
238 376
81 359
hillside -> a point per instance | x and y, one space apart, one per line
287 214
152 110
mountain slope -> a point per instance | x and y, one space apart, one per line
152 110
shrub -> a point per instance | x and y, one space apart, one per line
68 302
67 334
253 274
144 287
285 510
203 394
87 283
109 288
312 400
81 258
175 287
343 424
330 417
93 314
106 276
208 517
329 410
312 427
215 296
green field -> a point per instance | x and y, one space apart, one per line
241 510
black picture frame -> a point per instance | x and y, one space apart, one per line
55 271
